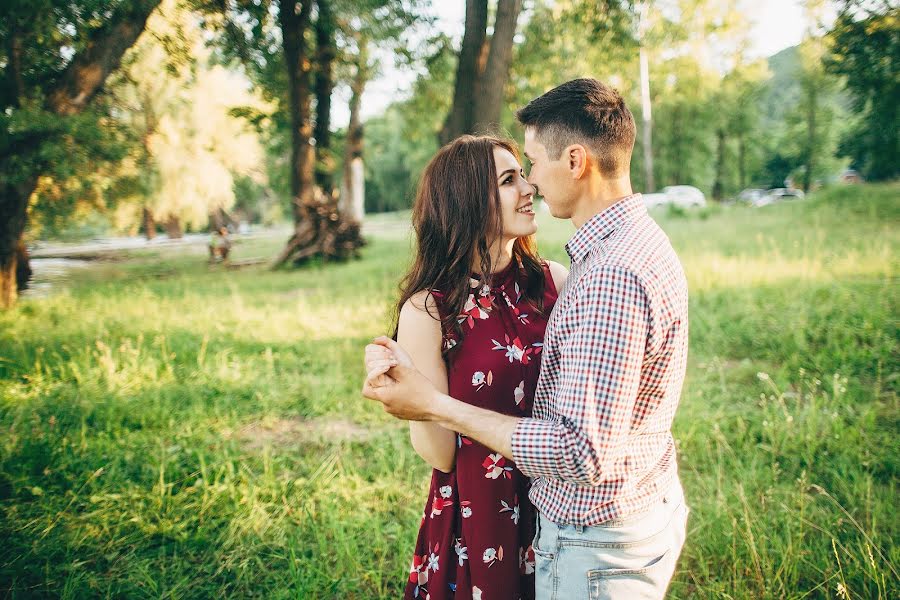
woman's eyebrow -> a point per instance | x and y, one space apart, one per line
503 174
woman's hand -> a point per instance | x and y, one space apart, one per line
394 381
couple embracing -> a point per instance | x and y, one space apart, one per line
542 397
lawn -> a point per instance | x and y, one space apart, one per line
174 430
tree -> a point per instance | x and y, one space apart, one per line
273 41
44 96
192 142
483 69
353 191
865 50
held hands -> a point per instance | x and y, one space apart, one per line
393 380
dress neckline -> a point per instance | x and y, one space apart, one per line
498 278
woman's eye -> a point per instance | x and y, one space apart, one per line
507 180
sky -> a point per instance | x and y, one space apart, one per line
778 24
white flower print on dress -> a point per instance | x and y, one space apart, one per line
479 380
476 308
466 508
462 552
476 593
522 317
513 510
519 393
516 351
496 466
445 491
433 562
492 555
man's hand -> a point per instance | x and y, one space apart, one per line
393 381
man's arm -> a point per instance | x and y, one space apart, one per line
490 428
407 394
600 370
600 374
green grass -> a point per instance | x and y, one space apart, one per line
170 430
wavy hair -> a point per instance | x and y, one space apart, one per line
456 217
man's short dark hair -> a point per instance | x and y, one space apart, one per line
584 111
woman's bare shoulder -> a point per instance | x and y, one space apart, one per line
559 274
421 308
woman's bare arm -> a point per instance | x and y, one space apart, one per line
419 333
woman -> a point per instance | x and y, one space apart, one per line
472 314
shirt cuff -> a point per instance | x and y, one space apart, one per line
534 447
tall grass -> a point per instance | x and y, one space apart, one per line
175 431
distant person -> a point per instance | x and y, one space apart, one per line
472 312
219 245
599 445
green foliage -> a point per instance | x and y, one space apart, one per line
865 50
400 142
221 448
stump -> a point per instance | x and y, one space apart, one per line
321 231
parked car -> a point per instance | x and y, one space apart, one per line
751 196
685 196
654 200
782 194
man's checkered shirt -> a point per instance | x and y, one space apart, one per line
599 444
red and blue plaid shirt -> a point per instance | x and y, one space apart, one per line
599 444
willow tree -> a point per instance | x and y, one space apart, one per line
57 55
181 108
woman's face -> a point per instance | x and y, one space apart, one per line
516 196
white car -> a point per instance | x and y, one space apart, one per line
685 196
654 200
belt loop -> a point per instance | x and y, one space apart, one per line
579 528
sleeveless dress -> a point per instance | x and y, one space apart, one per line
475 537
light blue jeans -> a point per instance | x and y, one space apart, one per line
627 559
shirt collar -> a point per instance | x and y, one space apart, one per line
603 224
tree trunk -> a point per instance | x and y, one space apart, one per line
13 207
293 28
87 72
325 54
468 74
149 223
646 122
742 157
319 229
76 87
353 193
678 172
173 228
492 84
810 137
718 190
23 267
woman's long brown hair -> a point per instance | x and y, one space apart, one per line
456 217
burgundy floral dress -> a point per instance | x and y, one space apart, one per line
475 538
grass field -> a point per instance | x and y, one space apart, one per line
171 430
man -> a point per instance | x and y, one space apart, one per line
599 446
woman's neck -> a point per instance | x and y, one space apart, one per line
501 256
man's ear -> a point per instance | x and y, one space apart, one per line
578 160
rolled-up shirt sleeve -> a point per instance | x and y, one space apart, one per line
600 370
